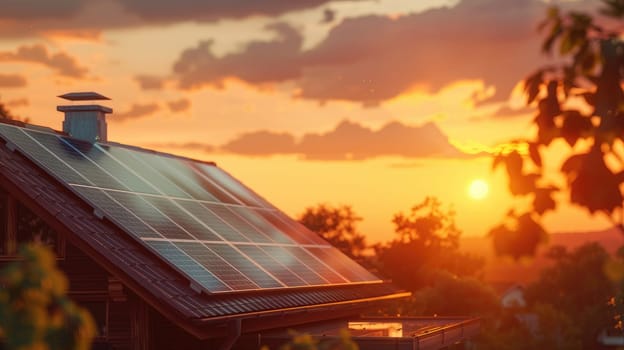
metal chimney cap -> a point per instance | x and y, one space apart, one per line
83 96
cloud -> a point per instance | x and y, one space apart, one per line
12 81
37 9
259 62
28 18
180 105
371 59
167 10
260 143
350 141
183 146
61 62
136 111
150 82
505 111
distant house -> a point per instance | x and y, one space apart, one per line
513 298
173 253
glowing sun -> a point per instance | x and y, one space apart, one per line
478 189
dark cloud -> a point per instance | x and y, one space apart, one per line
259 62
374 58
150 82
167 10
12 81
350 141
136 111
27 18
180 105
328 16
260 143
61 62
37 9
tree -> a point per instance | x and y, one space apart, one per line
337 225
426 241
6 114
35 312
580 102
572 297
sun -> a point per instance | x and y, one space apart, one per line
478 189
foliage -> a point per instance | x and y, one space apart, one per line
572 296
580 102
5 113
426 241
35 312
338 226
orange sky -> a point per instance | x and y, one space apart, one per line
375 104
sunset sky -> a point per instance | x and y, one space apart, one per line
372 103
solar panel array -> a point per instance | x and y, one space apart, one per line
203 222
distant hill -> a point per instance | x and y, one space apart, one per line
505 271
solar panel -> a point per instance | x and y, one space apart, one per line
207 225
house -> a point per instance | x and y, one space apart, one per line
170 252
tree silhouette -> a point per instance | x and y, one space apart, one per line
338 226
580 103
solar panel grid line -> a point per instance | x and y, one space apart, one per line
304 272
218 187
164 185
271 217
154 217
17 136
238 223
251 271
346 266
194 270
228 273
73 157
194 226
280 271
234 187
239 243
318 265
116 216
224 229
175 175
254 219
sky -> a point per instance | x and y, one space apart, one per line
375 104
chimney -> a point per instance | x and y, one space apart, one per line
85 122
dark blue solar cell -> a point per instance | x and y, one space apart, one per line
233 186
263 225
242 226
343 264
121 173
245 266
41 156
179 172
129 158
215 189
150 215
188 266
273 266
293 231
126 220
286 258
217 265
316 265
76 160
182 218
211 220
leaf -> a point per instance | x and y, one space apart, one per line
543 200
513 162
532 85
534 154
575 126
519 240
595 187
573 165
520 184
498 160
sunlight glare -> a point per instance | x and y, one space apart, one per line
478 189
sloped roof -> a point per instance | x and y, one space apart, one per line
144 272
